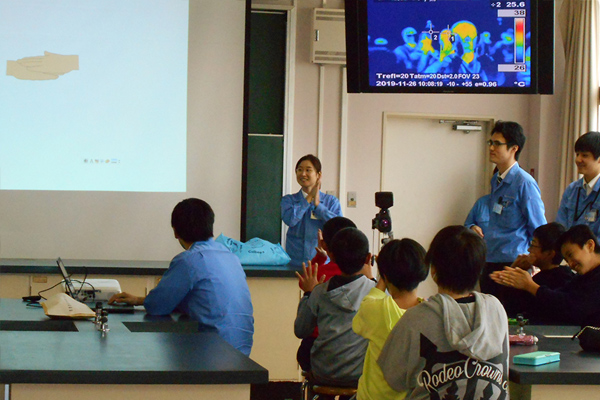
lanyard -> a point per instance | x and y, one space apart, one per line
586 206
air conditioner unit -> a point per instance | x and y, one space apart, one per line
329 40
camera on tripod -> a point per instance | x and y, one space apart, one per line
383 221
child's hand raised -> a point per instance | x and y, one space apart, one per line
309 278
320 248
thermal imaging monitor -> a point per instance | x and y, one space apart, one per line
479 46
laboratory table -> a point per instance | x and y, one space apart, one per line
139 357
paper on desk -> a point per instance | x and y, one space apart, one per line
63 306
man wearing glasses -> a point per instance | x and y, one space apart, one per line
515 204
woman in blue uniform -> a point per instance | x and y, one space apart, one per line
306 211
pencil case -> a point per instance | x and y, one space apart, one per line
537 358
522 340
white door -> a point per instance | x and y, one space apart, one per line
436 174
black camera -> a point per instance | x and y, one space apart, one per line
383 221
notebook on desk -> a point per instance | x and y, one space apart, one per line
71 291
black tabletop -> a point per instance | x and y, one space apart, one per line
575 367
136 350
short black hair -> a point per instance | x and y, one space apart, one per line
513 133
549 235
579 235
313 159
589 142
193 220
333 226
402 263
350 248
458 255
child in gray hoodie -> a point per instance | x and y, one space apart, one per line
455 345
338 353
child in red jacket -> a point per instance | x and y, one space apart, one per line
326 271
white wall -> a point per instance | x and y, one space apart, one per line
539 115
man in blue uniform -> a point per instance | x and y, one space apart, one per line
515 204
580 203
206 281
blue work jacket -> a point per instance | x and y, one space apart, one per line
304 220
516 210
480 214
585 212
207 283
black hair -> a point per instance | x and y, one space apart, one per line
579 235
513 134
333 226
549 235
458 256
589 142
314 161
402 263
350 248
193 220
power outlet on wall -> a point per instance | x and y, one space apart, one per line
39 279
351 200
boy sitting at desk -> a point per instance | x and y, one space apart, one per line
576 303
544 255
455 344
326 272
401 268
338 353
206 281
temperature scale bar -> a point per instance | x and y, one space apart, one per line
519 40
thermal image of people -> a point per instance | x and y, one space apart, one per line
405 53
445 47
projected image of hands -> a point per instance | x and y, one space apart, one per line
41 68
81 85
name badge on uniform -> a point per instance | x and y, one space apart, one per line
497 208
591 216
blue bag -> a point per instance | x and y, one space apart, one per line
256 251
